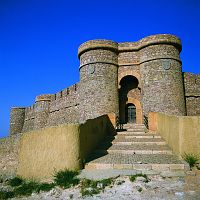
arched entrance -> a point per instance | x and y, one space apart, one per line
130 110
130 113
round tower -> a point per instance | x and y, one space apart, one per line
161 75
98 78
42 103
17 116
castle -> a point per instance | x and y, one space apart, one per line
138 84
129 79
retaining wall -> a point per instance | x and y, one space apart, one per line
182 133
50 149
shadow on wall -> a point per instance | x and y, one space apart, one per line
47 150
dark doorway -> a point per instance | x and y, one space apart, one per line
130 113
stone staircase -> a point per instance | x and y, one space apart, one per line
135 149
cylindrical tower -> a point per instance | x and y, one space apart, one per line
17 116
42 103
98 78
161 75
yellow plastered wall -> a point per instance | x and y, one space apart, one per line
189 130
182 133
51 149
44 151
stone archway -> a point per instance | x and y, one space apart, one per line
129 73
129 93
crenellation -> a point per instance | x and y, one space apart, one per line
58 95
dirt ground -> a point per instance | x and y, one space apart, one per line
158 188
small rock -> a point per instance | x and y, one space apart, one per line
56 192
141 179
180 194
138 188
119 182
100 185
191 192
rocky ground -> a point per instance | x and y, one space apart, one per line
158 188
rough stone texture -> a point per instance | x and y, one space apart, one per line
9 155
192 93
162 89
41 111
50 110
98 78
159 85
17 116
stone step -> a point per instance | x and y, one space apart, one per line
108 144
157 167
134 151
99 174
133 125
136 130
130 136
130 132
136 161
133 141
138 143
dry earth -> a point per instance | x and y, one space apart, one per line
158 188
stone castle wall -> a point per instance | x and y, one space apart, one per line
9 149
65 106
48 110
17 117
192 93
153 61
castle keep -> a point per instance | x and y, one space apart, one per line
129 79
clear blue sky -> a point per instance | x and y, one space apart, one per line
39 40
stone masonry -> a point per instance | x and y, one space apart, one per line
147 74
